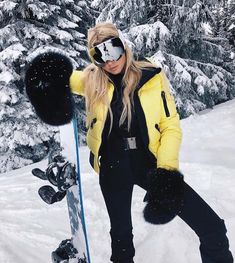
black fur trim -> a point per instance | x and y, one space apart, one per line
157 215
47 86
165 195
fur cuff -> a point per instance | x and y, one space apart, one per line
165 195
47 86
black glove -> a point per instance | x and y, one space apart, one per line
47 85
165 195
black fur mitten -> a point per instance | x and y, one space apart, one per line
165 195
47 85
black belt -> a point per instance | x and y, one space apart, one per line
122 144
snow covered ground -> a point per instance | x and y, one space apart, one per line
30 229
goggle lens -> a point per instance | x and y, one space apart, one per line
109 50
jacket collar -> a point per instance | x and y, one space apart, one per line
147 74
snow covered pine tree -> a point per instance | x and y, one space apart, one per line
29 26
47 86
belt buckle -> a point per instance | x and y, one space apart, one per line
130 143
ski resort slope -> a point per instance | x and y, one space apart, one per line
31 229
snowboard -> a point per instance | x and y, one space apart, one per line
63 172
47 78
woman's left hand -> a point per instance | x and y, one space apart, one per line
165 195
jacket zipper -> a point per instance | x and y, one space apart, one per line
165 104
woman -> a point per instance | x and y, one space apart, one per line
134 136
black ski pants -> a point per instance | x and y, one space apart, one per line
118 176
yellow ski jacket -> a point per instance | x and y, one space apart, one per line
157 113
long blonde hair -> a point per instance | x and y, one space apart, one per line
96 80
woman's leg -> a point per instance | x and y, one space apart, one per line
209 227
118 203
116 184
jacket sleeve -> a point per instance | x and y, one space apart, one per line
76 82
171 135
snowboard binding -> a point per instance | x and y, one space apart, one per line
61 174
65 252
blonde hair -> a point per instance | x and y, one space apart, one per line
96 79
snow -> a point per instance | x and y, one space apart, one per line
12 52
148 33
31 32
40 10
7 77
7 6
65 23
61 34
183 72
207 29
31 229
95 3
232 55
4 97
232 26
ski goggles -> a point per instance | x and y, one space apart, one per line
109 50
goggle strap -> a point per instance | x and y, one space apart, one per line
88 53
121 38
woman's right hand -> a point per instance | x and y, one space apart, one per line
47 86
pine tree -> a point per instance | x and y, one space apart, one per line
30 27
121 12
200 72
231 24
134 12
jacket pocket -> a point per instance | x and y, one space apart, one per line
94 120
157 127
167 112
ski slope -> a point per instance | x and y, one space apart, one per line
31 229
